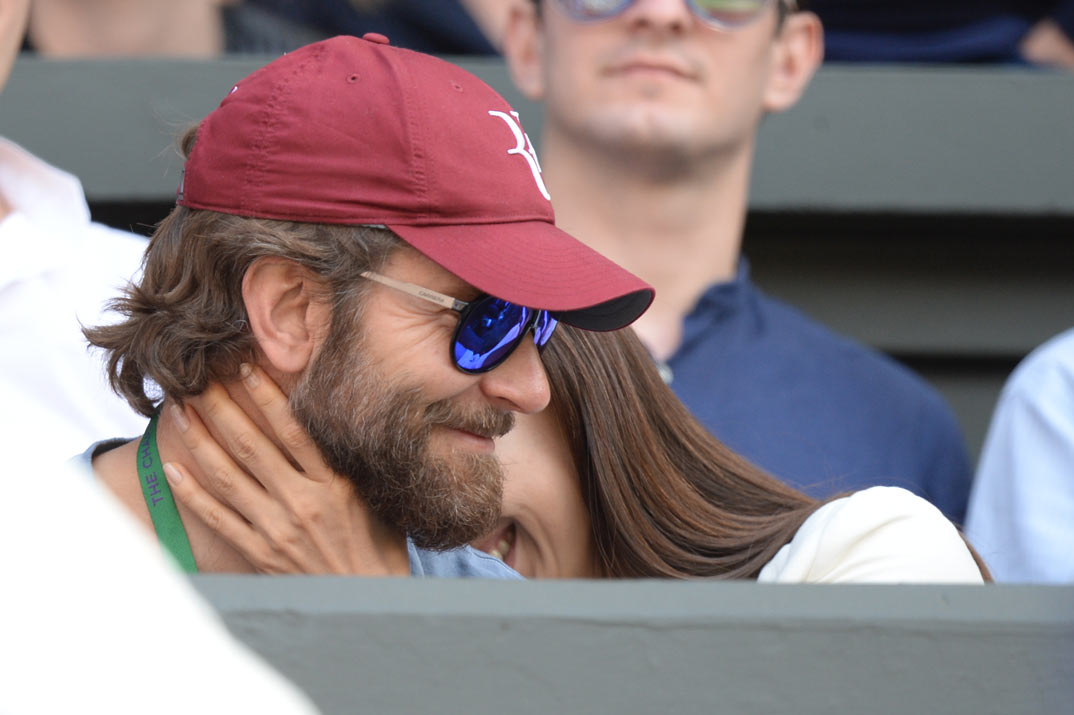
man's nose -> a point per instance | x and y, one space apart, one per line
520 383
662 14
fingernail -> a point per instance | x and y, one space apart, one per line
249 376
180 418
174 475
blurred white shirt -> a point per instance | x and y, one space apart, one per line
58 269
94 620
1021 511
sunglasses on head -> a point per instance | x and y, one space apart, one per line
489 328
721 14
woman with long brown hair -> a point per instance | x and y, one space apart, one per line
664 499
616 479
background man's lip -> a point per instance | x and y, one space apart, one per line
629 67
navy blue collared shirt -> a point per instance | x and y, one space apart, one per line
819 411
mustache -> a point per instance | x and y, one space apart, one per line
490 423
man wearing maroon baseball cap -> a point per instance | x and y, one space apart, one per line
368 226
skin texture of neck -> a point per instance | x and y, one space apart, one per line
5 208
676 223
117 470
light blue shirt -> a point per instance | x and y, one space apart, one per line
465 562
1021 510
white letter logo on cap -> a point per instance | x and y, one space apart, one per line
524 148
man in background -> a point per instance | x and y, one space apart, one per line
652 109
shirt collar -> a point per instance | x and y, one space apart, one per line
48 215
46 195
717 302
725 294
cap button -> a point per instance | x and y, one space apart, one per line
376 37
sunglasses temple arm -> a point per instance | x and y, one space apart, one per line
418 292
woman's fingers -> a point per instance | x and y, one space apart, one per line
281 519
222 520
222 477
244 441
277 411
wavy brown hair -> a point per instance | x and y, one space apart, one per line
184 323
666 498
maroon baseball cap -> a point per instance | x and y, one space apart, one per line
355 131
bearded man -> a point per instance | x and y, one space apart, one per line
368 226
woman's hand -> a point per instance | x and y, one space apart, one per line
282 518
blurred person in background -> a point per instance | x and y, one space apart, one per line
1004 31
173 28
1021 512
651 114
442 27
59 269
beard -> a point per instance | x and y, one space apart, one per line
377 434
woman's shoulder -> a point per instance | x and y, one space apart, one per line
876 535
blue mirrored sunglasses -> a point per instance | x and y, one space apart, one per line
489 328
721 14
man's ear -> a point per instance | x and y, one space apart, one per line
523 49
286 320
797 53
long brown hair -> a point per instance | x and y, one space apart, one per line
666 498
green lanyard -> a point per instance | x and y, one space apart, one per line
158 497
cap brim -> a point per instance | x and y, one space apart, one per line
535 264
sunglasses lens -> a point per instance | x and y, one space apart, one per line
593 9
489 332
721 13
730 13
545 326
